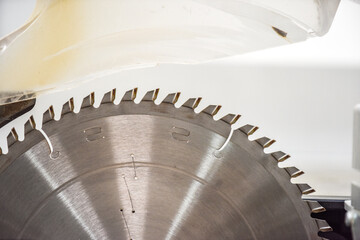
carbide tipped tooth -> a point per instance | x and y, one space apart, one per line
265 142
107 98
71 104
51 112
92 99
130 95
66 108
151 95
10 139
27 127
316 207
55 112
113 95
212 109
32 122
230 118
280 156
171 98
294 172
323 225
86 102
14 134
305 188
192 103
248 129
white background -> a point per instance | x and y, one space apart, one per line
302 94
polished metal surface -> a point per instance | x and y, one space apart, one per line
147 171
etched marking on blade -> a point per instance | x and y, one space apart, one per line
130 198
93 133
294 172
280 156
126 224
133 162
180 134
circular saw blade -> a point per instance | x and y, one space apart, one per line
148 171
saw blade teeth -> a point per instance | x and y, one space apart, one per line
172 98
280 156
192 103
4 149
27 127
57 110
86 102
130 95
71 104
51 112
231 118
316 207
113 95
294 172
92 98
32 122
305 188
14 134
11 139
151 95
107 98
323 225
148 96
156 94
76 103
66 108
248 129
265 142
211 109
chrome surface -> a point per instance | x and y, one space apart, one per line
147 171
